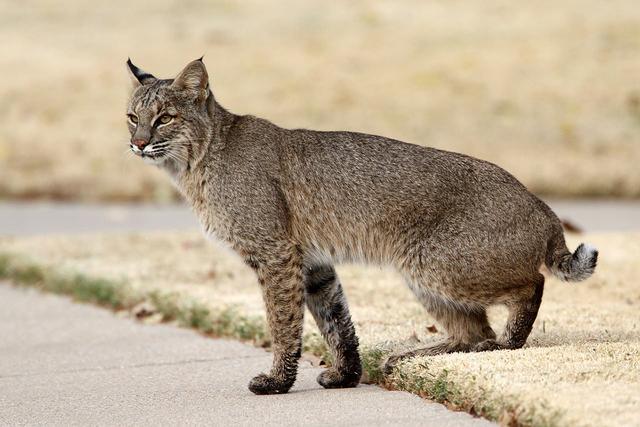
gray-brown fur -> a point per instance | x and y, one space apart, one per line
464 233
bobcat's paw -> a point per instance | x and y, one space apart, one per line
488 345
266 384
332 378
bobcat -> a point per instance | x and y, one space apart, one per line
464 233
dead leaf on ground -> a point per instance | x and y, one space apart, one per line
571 227
143 310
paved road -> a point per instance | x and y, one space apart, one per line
71 364
39 218
599 215
18 218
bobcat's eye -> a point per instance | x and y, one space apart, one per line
164 119
132 118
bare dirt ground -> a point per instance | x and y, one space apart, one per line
546 89
580 366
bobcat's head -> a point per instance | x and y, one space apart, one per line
168 118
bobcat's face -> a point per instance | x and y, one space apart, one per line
168 119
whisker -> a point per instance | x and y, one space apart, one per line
180 155
177 157
172 156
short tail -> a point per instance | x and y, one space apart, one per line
571 267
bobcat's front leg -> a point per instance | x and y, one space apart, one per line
280 276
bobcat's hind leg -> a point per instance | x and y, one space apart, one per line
522 314
327 304
464 327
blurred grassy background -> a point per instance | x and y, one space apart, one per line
550 90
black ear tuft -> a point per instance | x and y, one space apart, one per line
139 76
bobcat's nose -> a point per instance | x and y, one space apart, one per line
140 143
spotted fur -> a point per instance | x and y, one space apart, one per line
464 233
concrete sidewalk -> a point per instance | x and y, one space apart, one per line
70 364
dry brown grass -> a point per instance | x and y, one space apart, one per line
580 366
547 89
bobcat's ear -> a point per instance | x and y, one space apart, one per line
138 76
193 78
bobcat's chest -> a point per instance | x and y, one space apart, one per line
209 208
